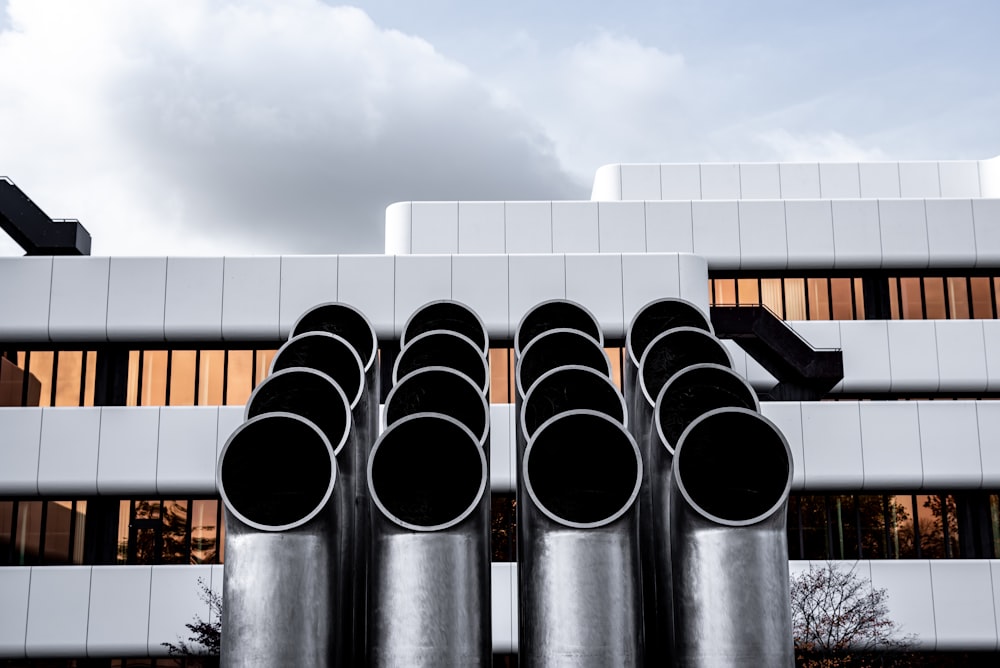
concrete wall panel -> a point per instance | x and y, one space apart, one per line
434 227
575 227
193 307
137 288
251 292
25 309
622 227
78 307
668 227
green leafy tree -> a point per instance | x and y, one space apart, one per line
202 647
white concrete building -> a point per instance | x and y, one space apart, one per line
121 378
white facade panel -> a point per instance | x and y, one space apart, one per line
669 228
820 334
481 227
787 416
831 444
78 307
480 282
720 181
799 180
866 355
19 449
692 274
961 355
119 611
251 291
879 179
186 455
991 336
607 183
503 619
919 179
739 360
367 282
575 227
433 227
759 181
58 612
229 418
640 182
986 219
534 279
949 445
193 308
398 228
989 177
137 288
127 453
501 444
763 244
909 598
622 227
14 585
809 234
419 279
959 178
903 228
951 237
839 180
912 356
67 460
680 182
856 236
25 309
306 281
595 281
528 226
963 621
647 277
173 602
988 415
890 441
717 233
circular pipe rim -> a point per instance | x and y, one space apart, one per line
529 487
674 332
443 332
520 345
325 335
484 346
372 356
526 400
519 386
678 469
334 472
402 424
481 439
677 377
646 308
348 420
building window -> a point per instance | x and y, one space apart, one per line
42 532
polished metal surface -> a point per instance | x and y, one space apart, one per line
440 347
566 388
286 543
728 501
429 599
448 315
555 314
579 588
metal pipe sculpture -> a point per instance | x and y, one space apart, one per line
438 389
430 587
688 394
566 388
579 599
555 314
282 589
732 474
441 347
448 315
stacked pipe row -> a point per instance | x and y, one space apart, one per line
713 501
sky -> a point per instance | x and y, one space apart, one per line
211 127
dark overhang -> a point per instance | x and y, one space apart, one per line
34 231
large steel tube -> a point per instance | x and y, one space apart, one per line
283 588
443 348
732 474
566 388
448 315
430 588
579 588
439 389
555 314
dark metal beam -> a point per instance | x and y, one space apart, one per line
34 231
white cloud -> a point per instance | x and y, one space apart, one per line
248 126
819 147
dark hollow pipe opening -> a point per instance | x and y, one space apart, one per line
659 316
556 348
568 388
696 390
674 350
344 321
276 470
450 316
443 348
582 467
439 390
308 393
733 464
328 353
558 313
427 471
